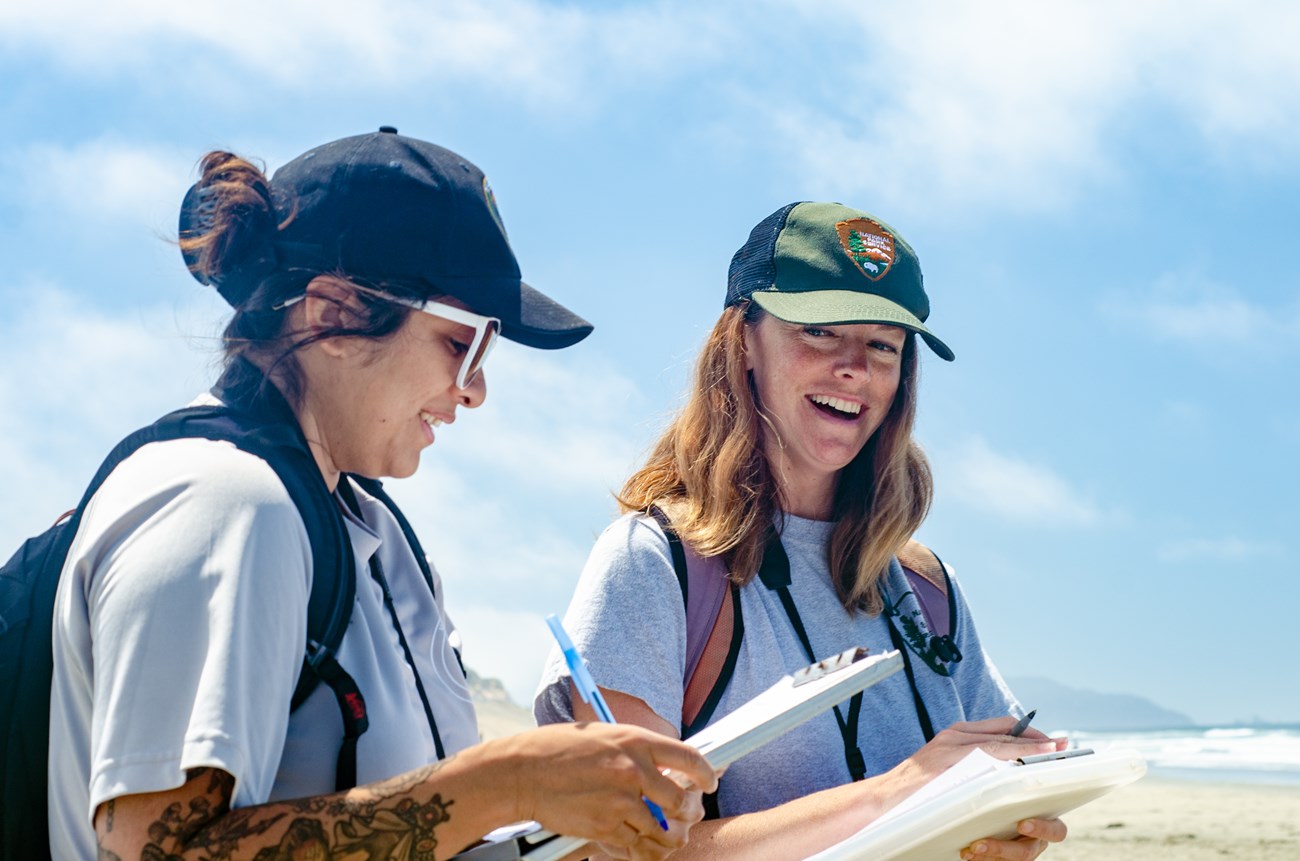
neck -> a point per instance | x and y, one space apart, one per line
246 386
808 496
315 441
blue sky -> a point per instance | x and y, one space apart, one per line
1103 196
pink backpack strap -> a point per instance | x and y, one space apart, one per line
713 626
706 597
929 582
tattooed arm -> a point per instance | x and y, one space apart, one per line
580 779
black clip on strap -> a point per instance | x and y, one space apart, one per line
352 707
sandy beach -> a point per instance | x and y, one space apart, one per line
1163 820
1155 819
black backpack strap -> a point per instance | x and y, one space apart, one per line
28 583
676 550
333 589
271 431
258 420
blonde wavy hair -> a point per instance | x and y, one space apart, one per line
710 474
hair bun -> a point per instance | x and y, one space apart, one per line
227 228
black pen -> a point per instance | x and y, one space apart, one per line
1022 724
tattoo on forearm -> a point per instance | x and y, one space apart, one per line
376 828
108 815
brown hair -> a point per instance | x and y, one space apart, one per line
710 469
233 250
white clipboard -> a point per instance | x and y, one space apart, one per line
988 805
788 703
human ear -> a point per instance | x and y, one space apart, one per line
331 305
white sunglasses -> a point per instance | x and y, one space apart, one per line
486 329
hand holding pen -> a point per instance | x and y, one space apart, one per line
1022 724
590 693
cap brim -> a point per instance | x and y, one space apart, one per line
527 316
544 323
842 308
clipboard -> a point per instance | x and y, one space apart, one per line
988 805
790 702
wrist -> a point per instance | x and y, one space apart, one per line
892 787
500 765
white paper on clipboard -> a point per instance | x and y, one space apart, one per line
788 703
980 799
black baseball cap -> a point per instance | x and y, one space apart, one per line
827 264
383 207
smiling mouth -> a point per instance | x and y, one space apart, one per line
836 407
430 420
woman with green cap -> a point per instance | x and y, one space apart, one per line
791 483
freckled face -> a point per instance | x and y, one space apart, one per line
826 389
389 398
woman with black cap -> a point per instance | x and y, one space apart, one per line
369 277
787 489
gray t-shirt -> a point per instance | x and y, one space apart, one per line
179 631
628 620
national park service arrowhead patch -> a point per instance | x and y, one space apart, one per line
491 200
868 245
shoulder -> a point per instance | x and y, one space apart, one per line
184 525
632 548
193 492
199 469
919 559
630 556
633 535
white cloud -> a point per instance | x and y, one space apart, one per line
1189 307
1014 104
77 380
103 180
1012 489
542 51
1229 549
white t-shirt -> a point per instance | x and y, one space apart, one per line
179 632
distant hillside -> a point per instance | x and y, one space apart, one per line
1061 707
498 715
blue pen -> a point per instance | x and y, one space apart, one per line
590 694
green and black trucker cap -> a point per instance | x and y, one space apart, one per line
825 264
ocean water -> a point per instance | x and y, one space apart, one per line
1258 754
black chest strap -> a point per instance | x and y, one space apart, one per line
775 574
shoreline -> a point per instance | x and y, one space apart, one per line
1164 818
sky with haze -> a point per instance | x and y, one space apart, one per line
1103 196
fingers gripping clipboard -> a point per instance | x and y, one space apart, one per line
987 800
790 702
